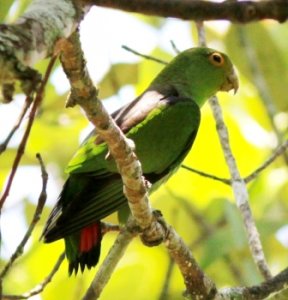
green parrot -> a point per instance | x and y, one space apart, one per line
163 123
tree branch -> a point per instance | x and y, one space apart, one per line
241 12
153 227
256 292
198 285
158 60
84 93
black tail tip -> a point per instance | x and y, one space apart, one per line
85 260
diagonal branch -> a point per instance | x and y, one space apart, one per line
148 57
198 284
84 93
238 185
240 192
153 227
21 148
35 219
26 106
40 287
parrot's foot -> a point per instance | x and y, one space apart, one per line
156 233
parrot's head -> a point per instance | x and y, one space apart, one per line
200 73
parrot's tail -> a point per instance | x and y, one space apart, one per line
83 250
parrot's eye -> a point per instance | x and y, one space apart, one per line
216 59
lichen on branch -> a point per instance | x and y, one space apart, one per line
33 37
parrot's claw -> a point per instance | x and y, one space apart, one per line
156 233
108 156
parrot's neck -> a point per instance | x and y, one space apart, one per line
184 89
189 91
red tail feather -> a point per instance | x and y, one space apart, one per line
89 237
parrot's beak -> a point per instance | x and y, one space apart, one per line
231 82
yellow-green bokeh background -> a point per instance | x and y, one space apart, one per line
224 255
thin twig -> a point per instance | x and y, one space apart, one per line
22 146
238 185
27 104
158 60
279 151
40 287
41 202
207 175
201 33
177 51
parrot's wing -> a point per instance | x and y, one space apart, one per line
136 111
90 156
79 206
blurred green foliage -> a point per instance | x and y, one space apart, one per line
259 51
